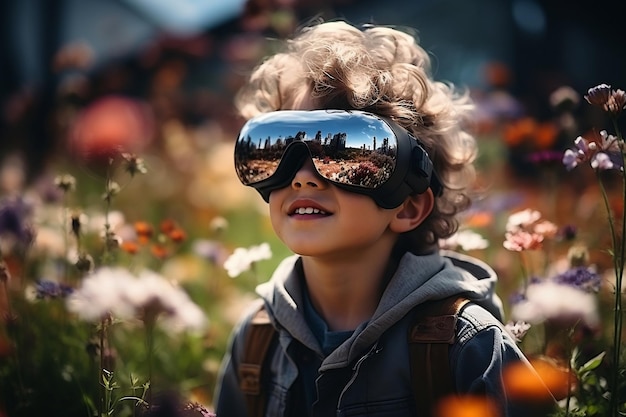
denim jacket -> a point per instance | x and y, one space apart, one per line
369 374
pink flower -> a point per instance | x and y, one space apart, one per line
546 228
522 240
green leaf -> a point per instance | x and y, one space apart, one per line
592 363
133 380
574 357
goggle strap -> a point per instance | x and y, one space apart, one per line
421 162
427 177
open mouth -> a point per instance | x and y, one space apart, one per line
309 210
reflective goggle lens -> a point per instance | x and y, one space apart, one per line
351 148
357 151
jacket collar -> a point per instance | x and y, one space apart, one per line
416 280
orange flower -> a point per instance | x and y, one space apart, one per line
177 235
479 219
167 226
130 247
522 383
159 251
144 231
466 406
528 130
545 135
518 131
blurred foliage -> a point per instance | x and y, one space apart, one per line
51 362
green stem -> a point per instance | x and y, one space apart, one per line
150 360
100 372
16 341
619 274
525 269
107 225
150 323
103 403
570 355
65 239
107 210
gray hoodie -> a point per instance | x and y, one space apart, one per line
369 373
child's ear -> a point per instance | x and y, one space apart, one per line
412 212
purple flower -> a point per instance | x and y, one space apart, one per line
612 101
14 216
211 250
602 162
570 159
580 277
516 297
544 157
609 142
598 95
49 192
520 296
46 289
602 156
583 152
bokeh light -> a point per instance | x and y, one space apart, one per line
111 125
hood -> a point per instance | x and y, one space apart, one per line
416 280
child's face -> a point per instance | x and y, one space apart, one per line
315 218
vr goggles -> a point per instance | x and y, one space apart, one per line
354 150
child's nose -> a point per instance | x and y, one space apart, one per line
307 176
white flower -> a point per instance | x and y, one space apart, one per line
117 292
517 329
103 293
551 301
466 239
179 312
96 222
218 224
522 219
49 241
242 259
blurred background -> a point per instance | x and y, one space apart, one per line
158 77
188 57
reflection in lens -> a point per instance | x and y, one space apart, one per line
253 163
348 162
351 149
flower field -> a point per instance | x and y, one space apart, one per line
129 253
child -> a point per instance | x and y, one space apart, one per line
364 161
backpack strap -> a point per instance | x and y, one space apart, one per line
258 339
430 337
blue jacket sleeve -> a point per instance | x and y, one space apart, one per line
480 358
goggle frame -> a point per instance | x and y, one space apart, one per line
412 171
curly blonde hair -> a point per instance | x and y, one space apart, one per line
381 70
